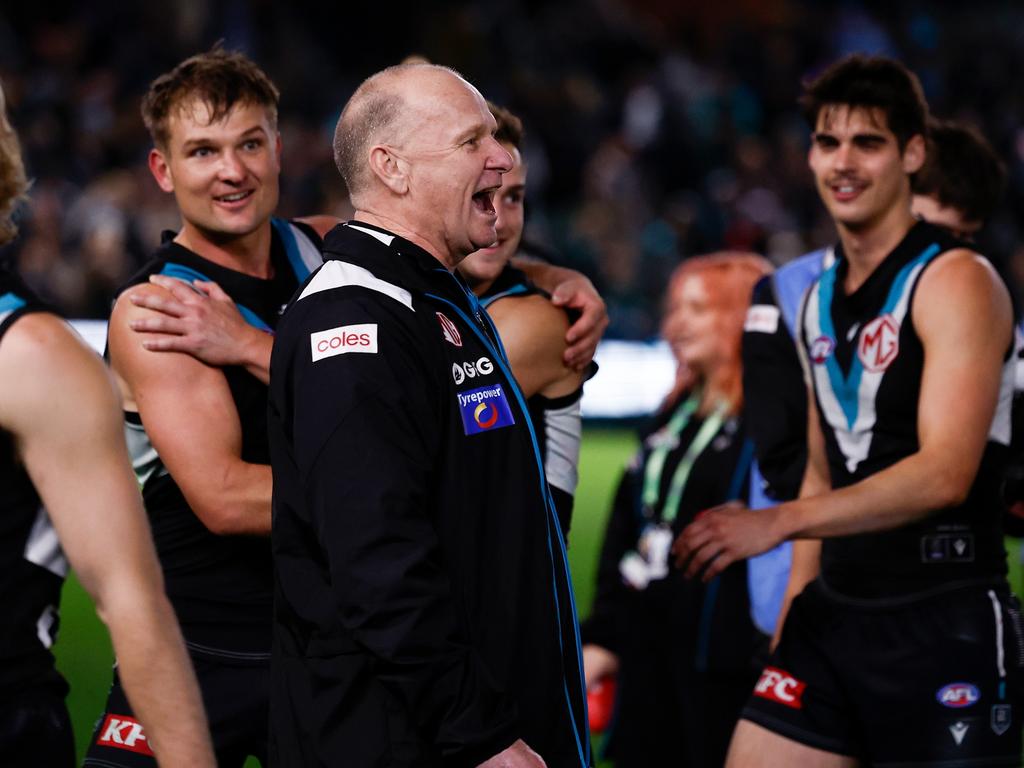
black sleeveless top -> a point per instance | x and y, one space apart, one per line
866 362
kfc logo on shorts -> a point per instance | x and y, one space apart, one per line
958 695
450 330
123 732
344 338
471 370
821 349
781 687
879 343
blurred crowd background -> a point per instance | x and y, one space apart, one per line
656 129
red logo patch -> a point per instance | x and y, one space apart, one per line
779 686
879 343
821 348
450 330
123 732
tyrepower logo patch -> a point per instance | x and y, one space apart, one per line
958 695
484 410
779 686
450 330
123 732
343 339
879 343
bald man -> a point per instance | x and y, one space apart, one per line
424 612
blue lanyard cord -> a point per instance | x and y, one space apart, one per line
581 735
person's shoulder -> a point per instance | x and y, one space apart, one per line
533 314
41 352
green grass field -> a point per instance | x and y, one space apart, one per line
83 650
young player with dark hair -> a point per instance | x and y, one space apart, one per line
903 647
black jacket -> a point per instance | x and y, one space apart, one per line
424 612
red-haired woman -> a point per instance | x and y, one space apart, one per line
682 650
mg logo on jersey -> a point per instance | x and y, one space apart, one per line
879 343
821 349
958 695
449 329
471 370
779 686
123 732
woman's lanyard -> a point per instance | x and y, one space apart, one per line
659 454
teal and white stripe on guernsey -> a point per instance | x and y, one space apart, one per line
10 303
848 402
303 256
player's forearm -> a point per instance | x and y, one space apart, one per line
157 675
239 503
907 491
256 355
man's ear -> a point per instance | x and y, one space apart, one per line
914 153
392 170
161 169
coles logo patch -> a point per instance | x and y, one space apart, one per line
344 338
781 687
484 409
879 343
123 732
958 695
450 330
821 349
762 318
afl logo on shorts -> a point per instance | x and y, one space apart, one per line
821 349
449 329
958 695
879 343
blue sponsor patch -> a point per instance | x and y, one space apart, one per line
484 409
958 695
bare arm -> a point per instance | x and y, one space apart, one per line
962 315
192 420
571 289
59 402
533 334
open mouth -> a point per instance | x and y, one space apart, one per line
483 201
234 197
846 191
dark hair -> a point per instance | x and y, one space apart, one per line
962 170
218 78
510 127
872 82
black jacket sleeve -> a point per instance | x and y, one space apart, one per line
775 400
368 431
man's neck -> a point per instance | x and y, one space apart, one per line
866 248
391 224
248 254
